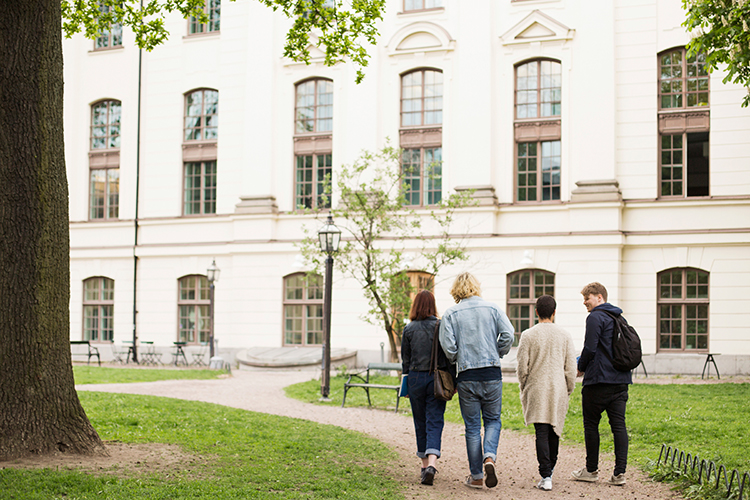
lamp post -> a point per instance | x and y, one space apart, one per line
329 237
212 273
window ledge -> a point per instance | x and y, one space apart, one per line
419 12
202 36
106 49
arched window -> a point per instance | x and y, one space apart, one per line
524 287
684 136
194 310
421 136
104 160
303 309
313 142
98 309
538 131
683 309
199 158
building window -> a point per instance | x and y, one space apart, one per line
684 122
410 5
422 171
202 115
110 37
194 310
98 309
314 107
303 309
421 136
200 188
104 195
105 125
524 287
212 9
538 98
313 174
683 310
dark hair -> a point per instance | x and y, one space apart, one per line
594 288
545 306
423 306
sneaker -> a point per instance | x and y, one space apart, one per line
473 483
618 480
584 475
490 478
429 475
545 484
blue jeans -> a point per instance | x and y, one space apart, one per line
481 401
427 413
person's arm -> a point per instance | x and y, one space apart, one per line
570 365
591 341
504 334
448 339
405 352
522 364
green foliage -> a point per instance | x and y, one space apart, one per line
104 375
722 33
340 31
239 454
380 234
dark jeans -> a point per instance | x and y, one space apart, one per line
547 446
596 399
427 413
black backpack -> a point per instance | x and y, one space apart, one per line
626 345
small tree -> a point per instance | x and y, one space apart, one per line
378 231
723 35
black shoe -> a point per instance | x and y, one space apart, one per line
429 475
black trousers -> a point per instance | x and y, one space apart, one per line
596 399
547 446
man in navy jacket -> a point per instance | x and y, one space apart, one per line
604 387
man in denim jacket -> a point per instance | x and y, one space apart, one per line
475 334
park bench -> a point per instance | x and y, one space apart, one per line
356 380
90 352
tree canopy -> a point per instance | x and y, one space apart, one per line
342 32
721 29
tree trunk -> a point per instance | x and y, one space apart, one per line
39 408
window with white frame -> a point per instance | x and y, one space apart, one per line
212 10
104 160
303 309
193 310
98 309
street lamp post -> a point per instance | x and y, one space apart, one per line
212 273
329 237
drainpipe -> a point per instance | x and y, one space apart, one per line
137 186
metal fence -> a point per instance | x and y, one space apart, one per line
707 471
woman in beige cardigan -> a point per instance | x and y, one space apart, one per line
546 377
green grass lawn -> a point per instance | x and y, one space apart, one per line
105 375
709 420
243 455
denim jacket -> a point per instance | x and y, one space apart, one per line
475 334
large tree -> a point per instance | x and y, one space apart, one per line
722 33
39 409
382 237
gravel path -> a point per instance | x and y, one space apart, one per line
262 391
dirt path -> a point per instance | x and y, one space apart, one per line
262 391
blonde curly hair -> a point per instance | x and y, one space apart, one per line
465 286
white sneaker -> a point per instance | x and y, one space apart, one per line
584 475
618 480
545 484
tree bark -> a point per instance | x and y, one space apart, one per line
39 408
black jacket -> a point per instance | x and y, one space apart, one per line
416 346
595 365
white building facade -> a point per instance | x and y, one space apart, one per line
596 148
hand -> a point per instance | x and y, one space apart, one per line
579 374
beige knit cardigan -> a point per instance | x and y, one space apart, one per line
546 374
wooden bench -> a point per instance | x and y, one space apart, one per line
92 350
364 382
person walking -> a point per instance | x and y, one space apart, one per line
475 334
546 373
427 412
604 387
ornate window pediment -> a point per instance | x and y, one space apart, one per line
420 37
537 27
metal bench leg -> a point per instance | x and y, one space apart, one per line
705 366
343 401
398 398
367 390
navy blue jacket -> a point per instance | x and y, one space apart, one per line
595 365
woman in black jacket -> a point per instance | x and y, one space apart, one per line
416 347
